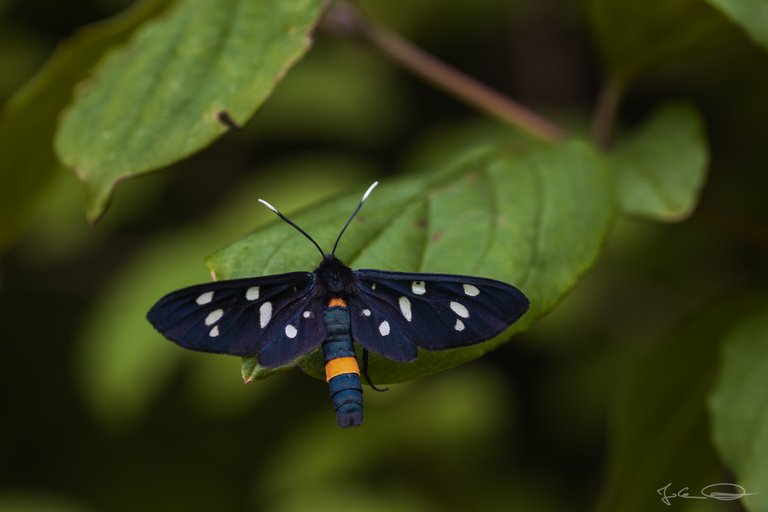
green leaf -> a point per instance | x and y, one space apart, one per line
661 167
28 120
159 98
633 36
739 407
536 220
659 423
750 15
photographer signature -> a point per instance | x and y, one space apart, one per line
721 491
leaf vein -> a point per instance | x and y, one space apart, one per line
535 244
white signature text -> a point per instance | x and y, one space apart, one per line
721 491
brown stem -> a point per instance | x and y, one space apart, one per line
344 19
604 115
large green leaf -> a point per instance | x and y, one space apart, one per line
161 97
661 168
536 220
633 36
28 120
739 407
750 15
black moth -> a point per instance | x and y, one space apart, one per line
281 317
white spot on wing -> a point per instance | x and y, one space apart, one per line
405 307
204 298
214 316
306 314
384 328
470 290
373 286
214 332
265 314
367 312
290 331
459 325
459 309
419 287
252 293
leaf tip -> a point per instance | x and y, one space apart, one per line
97 198
249 367
98 194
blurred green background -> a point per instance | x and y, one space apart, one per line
596 407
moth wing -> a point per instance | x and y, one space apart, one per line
273 317
432 311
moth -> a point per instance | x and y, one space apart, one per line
278 318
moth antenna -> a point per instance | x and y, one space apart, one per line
289 221
365 196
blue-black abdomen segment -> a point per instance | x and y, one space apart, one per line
341 368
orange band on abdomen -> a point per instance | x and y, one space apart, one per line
340 366
337 302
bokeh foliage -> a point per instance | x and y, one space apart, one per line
643 252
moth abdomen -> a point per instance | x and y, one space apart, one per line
341 369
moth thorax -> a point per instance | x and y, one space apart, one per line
336 277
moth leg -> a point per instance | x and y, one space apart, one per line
364 372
